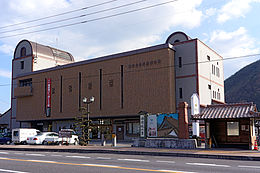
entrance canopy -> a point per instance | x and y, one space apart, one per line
228 111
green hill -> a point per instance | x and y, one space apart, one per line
244 86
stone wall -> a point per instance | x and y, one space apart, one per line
166 143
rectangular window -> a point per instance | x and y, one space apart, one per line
22 64
209 86
25 82
122 86
208 57
180 62
212 69
180 93
100 89
60 93
233 128
133 128
79 90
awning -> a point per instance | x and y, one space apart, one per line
228 111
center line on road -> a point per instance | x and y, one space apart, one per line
42 161
164 161
35 154
175 171
12 171
80 157
134 160
208 164
244 166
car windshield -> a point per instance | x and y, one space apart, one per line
39 134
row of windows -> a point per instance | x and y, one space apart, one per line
142 64
216 95
215 70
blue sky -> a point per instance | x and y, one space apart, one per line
231 28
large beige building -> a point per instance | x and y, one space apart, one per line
48 86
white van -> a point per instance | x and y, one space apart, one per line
19 136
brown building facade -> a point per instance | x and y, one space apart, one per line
122 84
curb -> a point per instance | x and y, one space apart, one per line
209 156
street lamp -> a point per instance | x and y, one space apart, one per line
88 101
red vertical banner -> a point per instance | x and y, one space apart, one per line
48 99
48 93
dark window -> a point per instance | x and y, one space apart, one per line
208 57
180 93
70 88
79 89
22 64
209 86
159 61
176 41
23 52
100 88
25 82
180 62
60 93
122 86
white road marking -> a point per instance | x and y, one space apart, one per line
244 166
35 154
4 153
164 161
111 166
208 164
103 158
6 170
45 161
80 157
134 160
56 155
175 171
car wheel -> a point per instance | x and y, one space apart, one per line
8 142
45 143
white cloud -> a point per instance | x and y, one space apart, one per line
7 49
234 44
5 74
101 37
234 9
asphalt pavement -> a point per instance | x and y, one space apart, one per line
60 162
126 149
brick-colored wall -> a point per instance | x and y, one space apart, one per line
148 85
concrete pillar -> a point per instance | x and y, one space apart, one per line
183 121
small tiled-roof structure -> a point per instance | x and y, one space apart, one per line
228 111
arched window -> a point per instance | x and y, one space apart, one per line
23 52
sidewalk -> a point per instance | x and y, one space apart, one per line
125 148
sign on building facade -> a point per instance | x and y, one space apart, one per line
48 99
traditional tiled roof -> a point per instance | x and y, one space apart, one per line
227 111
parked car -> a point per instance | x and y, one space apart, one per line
66 136
6 138
20 135
52 138
40 138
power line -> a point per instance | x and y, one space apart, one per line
60 14
91 20
75 17
146 69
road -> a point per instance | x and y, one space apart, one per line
41 162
